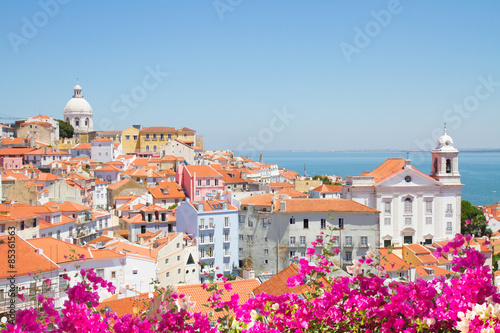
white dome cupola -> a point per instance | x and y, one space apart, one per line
78 112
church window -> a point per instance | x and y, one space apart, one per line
448 166
408 206
435 165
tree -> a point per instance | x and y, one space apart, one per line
65 129
324 179
473 220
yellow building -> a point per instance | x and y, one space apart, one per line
135 140
130 140
154 138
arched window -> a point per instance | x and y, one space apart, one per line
77 122
408 206
86 121
435 165
448 166
147 148
154 148
67 119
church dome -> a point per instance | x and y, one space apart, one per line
77 104
445 141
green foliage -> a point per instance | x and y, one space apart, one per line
473 221
173 206
495 259
324 179
65 129
230 276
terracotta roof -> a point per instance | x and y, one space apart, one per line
64 220
420 270
211 205
59 251
134 305
281 184
102 140
108 168
292 193
202 171
277 285
328 188
50 151
131 248
17 212
118 184
392 262
16 151
325 205
85 146
15 141
47 177
63 252
243 288
390 166
67 206
99 239
28 260
259 200
157 129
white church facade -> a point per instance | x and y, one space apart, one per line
414 207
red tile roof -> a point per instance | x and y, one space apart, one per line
292 193
202 171
328 188
277 285
243 288
392 262
28 260
325 205
157 129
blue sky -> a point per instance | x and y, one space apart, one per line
234 65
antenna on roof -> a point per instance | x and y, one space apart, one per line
407 155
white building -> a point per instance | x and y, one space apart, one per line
275 231
414 207
191 154
102 150
100 193
78 112
214 226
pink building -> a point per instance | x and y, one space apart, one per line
199 181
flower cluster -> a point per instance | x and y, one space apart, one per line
366 301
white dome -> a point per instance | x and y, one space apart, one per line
77 105
445 142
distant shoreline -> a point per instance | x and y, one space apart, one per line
470 150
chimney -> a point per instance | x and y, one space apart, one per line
407 164
39 251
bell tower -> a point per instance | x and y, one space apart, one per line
445 161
